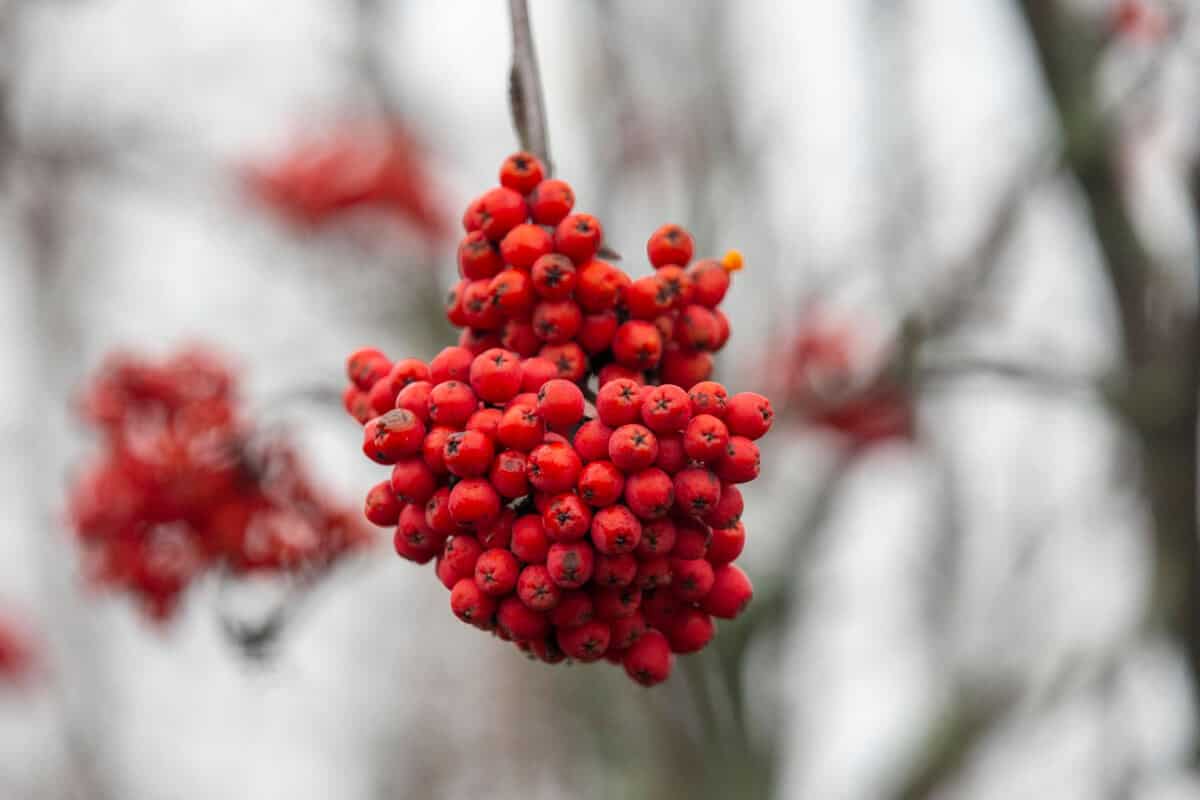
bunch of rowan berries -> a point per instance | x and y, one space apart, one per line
577 525
183 485
18 652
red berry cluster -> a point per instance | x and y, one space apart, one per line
18 654
355 167
584 532
183 485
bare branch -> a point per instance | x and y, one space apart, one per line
525 95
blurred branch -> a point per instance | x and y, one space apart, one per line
525 95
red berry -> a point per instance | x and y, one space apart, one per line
478 257
551 201
615 530
649 660
697 328
616 372
472 218
691 631
696 491
710 281
382 396
685 368
553 276
601 484
726 544
468 454
615 602
619 402
434 447
381 506
649 493
458 560
596 331
496 375
671 454
412 480
591 441
522 172
586 642
358 405
638 345
452 403
470 604
578 237
658 538
666 409
749 414
524 245
728 510
740 464
536 589
508 474
566 518
570 563
519 336
485 421
661 608
511 294
520 428
560 403
709 397
653 572
626 630
415 398
574 608
396 434
520 622
722 330
452 364
691 539
677 284
453 304
474 503
670 244
496 572
598 284
556 321
366 366
406 550
615 570
479 308
499 533
554 467
646 298
501 210
529 540
437 513
731 592
691 579
632 447
569 359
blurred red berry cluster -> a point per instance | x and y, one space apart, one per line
1140 20
356 166
577 531
183 485
18 652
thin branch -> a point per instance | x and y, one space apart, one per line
525 95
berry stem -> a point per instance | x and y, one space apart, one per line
525 94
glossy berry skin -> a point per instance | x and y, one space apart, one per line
569 359
596 331
698 329
553 276
415 398
437 513
619 402
666 409
691 631
646 298
557 321
521 428
471 604
478 258
501 209
519 336
396 434
709 397
601 484
684 367
632 448
591 441
578 237
451 403
381 506
411 552
524 245
670 244
536 590
560 403
473 503
731 592
697 491
554 468
598 285
649 660
615 530
710 282
507 474
496 572
511 294
468 454
566 519
551 201
586 642
726 544
691 579
649 494
529 541
728 510
570 563
536 371
741 461
485 421
412 480
638 345
522 172
705 438
520 622
451 364
459 555
478 308
749 415
496 375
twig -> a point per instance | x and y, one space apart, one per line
525 94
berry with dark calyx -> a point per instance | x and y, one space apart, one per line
728 510
536 590
677 285
615 602
566 519
478 257
598 285
568 358
496 375
451 364
670 244
557 321
553 276
570 563
697 328
731 592
666 409
474 503
691 579
649 660
521 428
554 467
705 438
600 484
366 366
508 474
649 494
619 402
710 282
697 491
381 506
468 454
520 622
459 555
551 201
626 630
437 512
471 604
479 308
653 573
615 530
632 447
578 237
691 631
749 415
411 524
741 461
410 552
510 294
501 210
615 570
586 642
709 397
658 538
496 572
646 298
638 345
522 172
452 403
